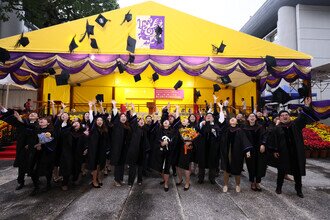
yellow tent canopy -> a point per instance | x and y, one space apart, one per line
187 45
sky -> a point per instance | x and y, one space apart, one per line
229 13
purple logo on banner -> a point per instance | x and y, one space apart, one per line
145 31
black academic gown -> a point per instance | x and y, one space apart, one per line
271 146
97 147
234 144
290 143
256 164
79 145
120 140
208 149
139 145
162 155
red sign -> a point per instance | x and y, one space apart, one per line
169 94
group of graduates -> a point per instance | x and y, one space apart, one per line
54 146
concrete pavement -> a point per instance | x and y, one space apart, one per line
149 201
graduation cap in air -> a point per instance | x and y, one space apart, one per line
159 31
131 59
197 94
99 98
303 92
4 55
155 77
137 77
225 79
121 67
63 78
178 85
216 88
131 42
128 17
89 31
51 71
24 41
219 49
94 44
101 20
73 45
280 96
270 62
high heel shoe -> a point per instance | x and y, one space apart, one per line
166 189
179 183
186 189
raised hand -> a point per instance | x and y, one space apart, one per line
248 154
262 148
215 98
63 105
308 101
90 104
51 102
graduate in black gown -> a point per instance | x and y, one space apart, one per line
193 123
120 140
151 124
289 147
208 150
138 147
163 147
79 150
97 147
42 155
25 140
256 163
234 145
64 151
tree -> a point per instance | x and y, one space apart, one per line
44 13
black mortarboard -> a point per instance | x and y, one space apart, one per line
137 78
99 97
225 79
128 17
101 20
178 85
131 58
94 44
51 71
121 67
155 77
216 87
72 45
303 92
4 55
270 62
280 96
198 94
63 78
219 49
158 30
24 41
130 44
89 31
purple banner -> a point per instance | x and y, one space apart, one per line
148 35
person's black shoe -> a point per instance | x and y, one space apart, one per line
166 189
212 182
34 192
48 186
200 181
19 187
179 183
300 194
278 191
186 189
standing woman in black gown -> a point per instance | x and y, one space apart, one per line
234 144
120 140
99 140
256 164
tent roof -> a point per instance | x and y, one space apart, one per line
184 36
8 81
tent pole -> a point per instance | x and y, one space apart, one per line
7 95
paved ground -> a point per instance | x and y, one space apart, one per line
149 201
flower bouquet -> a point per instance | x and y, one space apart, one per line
188 135
45 137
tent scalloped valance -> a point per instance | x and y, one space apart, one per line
103 64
